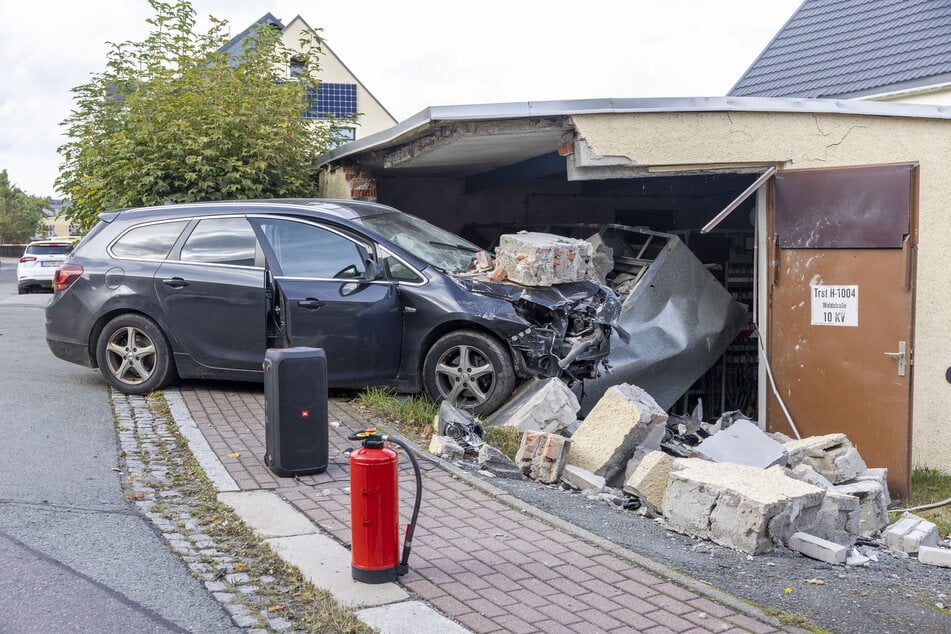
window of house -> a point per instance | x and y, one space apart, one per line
297 67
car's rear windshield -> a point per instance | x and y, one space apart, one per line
429 243
49 249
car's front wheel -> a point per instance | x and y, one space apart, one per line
470 369
134 356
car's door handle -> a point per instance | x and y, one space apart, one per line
175 282
310 303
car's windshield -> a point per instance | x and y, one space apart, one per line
429 243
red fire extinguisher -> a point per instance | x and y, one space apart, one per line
374 509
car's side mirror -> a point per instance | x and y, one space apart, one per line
374 270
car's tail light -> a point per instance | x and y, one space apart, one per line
28 258
66 275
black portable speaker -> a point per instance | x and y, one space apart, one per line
295 411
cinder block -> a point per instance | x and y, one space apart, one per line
446 448
874 511
743 442
613 429
832 455
582 479
649 480
542 456
818 548
839 519
544 259
910 533
807 474
935 556
540 404
738 506
880 475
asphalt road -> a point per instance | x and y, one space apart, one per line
74 555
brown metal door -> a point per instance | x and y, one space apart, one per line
841 303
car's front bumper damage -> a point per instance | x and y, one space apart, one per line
557 331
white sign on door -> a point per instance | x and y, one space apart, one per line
835 305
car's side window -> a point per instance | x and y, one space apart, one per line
221 241
148 242
397 270
306 250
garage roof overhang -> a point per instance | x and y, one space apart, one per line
463 141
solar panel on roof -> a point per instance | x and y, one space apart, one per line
332 99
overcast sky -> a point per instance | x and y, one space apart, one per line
410 54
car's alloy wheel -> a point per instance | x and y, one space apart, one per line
133 355
470 369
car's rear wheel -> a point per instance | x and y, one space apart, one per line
470 369
23 290
134 356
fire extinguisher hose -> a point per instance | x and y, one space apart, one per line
403 567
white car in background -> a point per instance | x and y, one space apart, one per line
39 261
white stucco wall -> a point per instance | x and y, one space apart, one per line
802 140
374 116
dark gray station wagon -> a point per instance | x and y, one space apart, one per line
202 290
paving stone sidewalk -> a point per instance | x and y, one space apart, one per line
479 556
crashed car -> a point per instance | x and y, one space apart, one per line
201 290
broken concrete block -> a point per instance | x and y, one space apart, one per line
818 548
540 404
446 448
807 474
874 512
839 519
649 480
739 506
619 422
910 533
542 456
602 259
832 455
935 556
497 463
743 442
880 475
578 478
544 259
856 558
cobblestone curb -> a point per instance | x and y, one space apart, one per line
150 453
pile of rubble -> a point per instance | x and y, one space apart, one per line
728 482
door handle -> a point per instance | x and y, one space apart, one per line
175 282
310 303
900 357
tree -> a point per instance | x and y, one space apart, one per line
21 215
173 119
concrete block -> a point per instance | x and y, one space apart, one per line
807 474
497 463
743 442
446 448
738 506
541 404
649 480
856 558
839 519
409 617
544 259
268 514
619 422
880 475
602 259
818 548
542 456
935 556
832 455
874 511
910 533
582 479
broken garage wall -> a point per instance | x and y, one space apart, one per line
803 140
